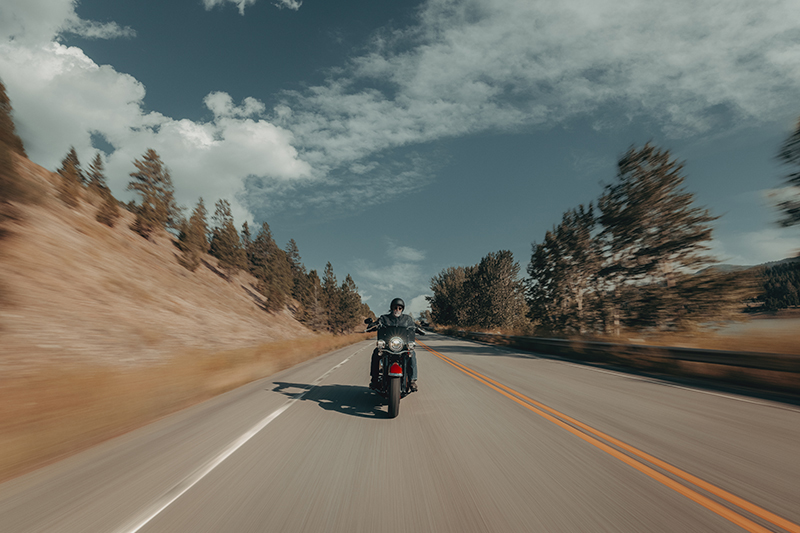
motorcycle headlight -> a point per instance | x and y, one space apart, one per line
396 344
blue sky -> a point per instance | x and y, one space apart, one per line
394 138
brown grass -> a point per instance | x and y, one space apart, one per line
784 339
59 409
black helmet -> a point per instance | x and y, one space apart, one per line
396 302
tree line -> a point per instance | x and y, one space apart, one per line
281 278
635 259
781 286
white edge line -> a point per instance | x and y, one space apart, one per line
192 479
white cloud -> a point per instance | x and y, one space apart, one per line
405 253
418 304
505 64
756 247
61 97
39 21
241 4
499 65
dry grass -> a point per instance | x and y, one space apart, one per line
774 336
59 409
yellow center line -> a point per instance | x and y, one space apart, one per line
539 408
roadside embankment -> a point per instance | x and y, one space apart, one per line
773 372
58 409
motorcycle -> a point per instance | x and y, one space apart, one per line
394 347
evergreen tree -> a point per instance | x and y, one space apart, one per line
225 244
789 155
95 176
8 133
652 236
12 188
348 314
494 293
330 296
448 302
193 240
563 274
316 317
108 212
269 264
152 181
70 187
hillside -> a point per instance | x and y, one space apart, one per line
74 290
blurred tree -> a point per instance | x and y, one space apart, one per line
225 243
269 265
494 292
789 155
448 301
152 181
108 212
71 185
330 296
12 188
348 314
563 274
651 237
193 238
95 176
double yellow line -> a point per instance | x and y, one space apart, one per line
593 436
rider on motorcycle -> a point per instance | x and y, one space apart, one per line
394 317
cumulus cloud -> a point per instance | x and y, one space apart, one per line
418 304
691 66
402 277
40 21
756 247
502 65
63 98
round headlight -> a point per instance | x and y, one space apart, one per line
396 344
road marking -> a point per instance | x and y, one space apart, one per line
192 479
551 414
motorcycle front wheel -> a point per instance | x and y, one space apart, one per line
394 397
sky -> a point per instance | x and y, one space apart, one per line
397 138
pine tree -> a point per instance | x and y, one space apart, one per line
448 300
789 155
563 274
108 213
193 240
651 236
494 292
12 188
225 244
152 181
268 263
70 187
330 296
95 176
348 312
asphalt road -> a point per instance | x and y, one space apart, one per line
495 440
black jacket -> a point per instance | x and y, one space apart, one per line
401 321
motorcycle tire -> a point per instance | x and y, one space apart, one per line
394 397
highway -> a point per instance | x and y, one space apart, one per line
495 440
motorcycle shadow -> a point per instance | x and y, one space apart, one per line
353 400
